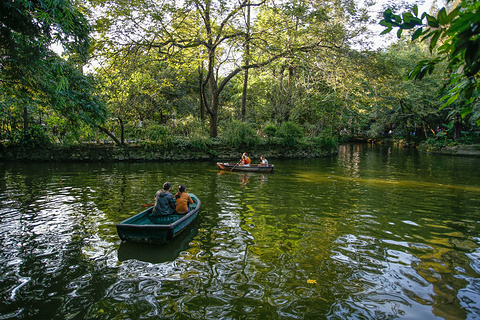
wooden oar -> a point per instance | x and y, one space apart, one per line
235 165
147 205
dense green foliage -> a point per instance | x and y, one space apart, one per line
240 134
41 94
171 74
455 34
290 133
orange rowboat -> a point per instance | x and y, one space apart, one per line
238 167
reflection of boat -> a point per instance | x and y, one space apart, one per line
252 167
146 228
158 253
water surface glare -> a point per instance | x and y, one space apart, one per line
371 233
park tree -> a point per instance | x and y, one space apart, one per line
404 106
454 35
36 82
211 35
140 89
309 87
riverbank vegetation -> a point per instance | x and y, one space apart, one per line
195 74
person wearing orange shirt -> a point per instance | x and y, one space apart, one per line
246 160
183 200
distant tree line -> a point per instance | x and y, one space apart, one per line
243 72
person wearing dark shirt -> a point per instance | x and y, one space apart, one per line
164 201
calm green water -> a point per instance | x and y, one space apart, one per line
372 233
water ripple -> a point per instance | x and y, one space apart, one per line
358 236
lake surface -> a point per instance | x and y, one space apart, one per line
371 233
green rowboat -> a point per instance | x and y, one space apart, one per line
147 228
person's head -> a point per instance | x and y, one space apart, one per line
262 157
167 186
181 189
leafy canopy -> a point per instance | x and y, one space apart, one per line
35 80
455 34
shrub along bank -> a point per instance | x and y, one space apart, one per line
177 149
287 141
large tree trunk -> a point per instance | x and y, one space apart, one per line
244 95
122 131
110 134
25 119
246 55
202 92
213 115
457 129
215 95
213 125
405 121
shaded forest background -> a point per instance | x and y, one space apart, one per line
233 72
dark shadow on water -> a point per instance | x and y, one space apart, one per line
158 253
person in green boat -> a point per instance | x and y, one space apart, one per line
164 201
183 200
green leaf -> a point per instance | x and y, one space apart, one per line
386 30
442 16
387 14
432 21
415 10
434 40
407 16
397 18
461 24
453 14
399 33
452 99
385 23
466 111
428 35
446 48
458 49
412 74
417 21
417 33
412 23
424 70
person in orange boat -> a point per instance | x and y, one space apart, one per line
263 161
245 160
183 200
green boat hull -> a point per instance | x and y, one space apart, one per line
147 228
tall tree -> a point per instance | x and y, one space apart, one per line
142 89
246 63
454 33
34 78
214 32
